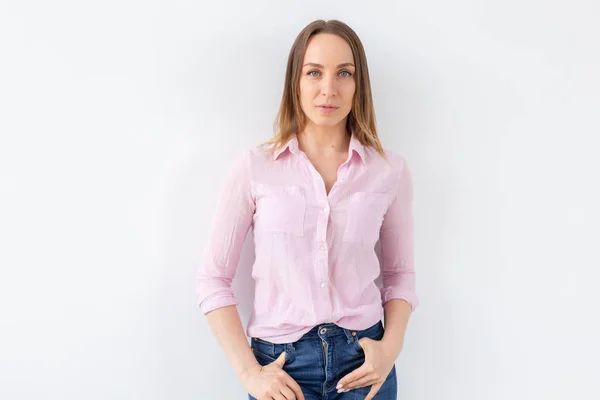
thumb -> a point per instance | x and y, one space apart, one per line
280 360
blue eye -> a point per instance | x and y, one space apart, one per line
309 73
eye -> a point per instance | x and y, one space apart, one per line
310 73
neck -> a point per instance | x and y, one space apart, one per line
324 140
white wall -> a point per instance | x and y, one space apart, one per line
119 120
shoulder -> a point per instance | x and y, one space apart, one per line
394 162
401 174
252 158
258 156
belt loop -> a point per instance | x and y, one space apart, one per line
290 353
349 335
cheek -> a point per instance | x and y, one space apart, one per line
307 94
349 96
349 89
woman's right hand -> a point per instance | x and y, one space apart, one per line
271 382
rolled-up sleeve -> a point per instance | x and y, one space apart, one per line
230 226
396 239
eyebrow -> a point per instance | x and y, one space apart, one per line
348 64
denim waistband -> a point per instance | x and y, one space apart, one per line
331 330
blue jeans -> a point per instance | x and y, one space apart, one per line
323 356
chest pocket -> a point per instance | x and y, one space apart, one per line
365 216
280 208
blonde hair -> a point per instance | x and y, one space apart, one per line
290 117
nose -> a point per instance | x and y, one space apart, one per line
328 86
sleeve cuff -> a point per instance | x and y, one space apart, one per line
411 298
213 302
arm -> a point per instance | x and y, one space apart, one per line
227 327
397 312
398 292
219 263
234 216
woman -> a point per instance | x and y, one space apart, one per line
319 195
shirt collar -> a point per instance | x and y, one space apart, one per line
292 145
357 146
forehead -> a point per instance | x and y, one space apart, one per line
328 49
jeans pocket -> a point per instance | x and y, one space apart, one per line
375 332
263 351
267 352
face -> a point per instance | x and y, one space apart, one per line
327 78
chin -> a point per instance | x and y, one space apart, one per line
325 121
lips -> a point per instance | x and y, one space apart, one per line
327 110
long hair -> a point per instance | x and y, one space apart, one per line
290 117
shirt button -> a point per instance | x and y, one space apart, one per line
323 247
325 209
322 284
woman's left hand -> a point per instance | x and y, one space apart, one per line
379 361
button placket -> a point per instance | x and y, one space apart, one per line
322 222
321 244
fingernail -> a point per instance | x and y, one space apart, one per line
338 386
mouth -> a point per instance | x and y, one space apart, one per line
327 108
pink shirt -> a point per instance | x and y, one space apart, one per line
315 252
